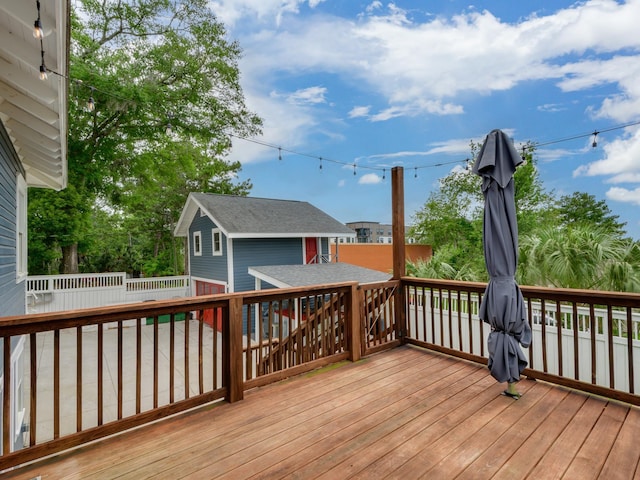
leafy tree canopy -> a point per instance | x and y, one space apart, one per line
572 242
145 64
582 208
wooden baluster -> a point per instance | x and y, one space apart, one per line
100 373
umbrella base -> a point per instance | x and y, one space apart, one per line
515 396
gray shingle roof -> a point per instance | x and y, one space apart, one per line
249 216
283 276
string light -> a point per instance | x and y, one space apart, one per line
169 128
38 33
43 68
37 25
91 104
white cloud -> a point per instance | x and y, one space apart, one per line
551 107
311 95
623 195
421 67
341 183
370 179
359 111
625 178
232 11
285 125
376 5
620 157
426 68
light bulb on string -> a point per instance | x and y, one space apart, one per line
384 173
415 172
354 168
320 164
91 104
37 25
594 144
43 68
280 153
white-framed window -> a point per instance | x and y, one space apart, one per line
197 244
216 241
21 230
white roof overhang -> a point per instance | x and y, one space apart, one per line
34 111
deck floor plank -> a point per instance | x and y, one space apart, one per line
622 464
592 456
540 441
481 457
405 413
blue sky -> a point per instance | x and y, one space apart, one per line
411 83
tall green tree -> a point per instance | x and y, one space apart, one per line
145 64
451 219
582 208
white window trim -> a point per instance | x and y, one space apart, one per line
21 230
214 232
197 246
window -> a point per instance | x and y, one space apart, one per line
216 238
21 229
197 244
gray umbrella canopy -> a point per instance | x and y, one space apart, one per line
502 305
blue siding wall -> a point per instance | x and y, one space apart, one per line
255 252
207 266
12 294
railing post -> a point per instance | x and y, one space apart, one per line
399 267
232 362
356 299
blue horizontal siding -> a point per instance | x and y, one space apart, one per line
12 294
256 252
207 265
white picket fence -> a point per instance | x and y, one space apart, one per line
53 293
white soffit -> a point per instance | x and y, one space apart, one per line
34 111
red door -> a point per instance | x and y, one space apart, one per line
311 247
205 288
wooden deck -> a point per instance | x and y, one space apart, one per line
405 413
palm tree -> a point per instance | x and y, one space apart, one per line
579 257
451 263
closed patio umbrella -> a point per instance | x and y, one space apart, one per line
502 306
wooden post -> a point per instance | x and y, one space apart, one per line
354 323
399 262
232 359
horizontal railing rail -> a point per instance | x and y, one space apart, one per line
93 372
90 373
582 339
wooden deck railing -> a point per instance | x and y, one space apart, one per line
583 339
93 372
